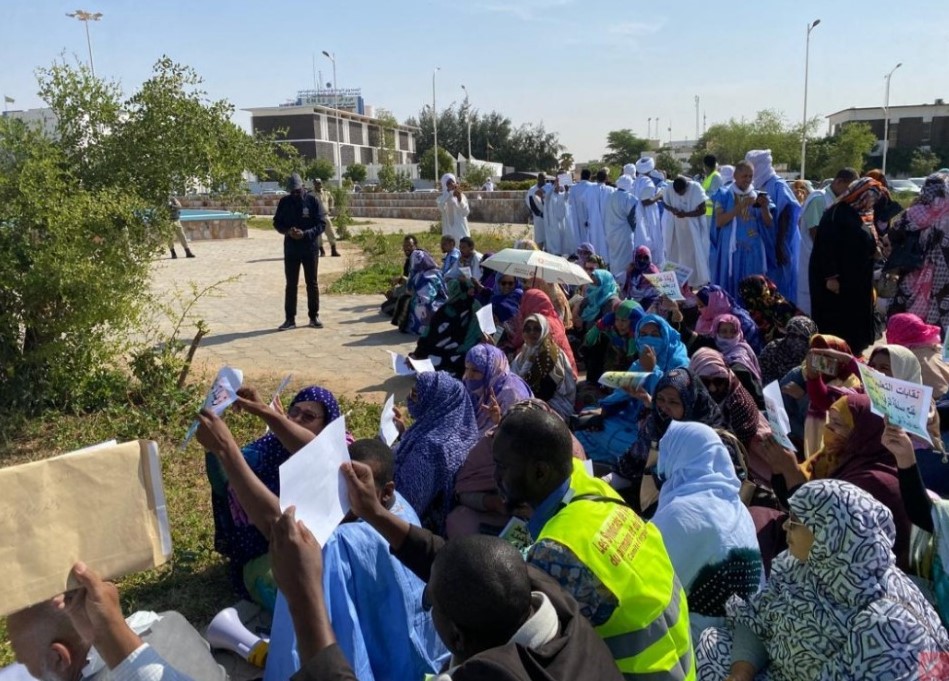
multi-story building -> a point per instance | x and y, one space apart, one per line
919 126
313 130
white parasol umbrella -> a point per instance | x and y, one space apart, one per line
528 264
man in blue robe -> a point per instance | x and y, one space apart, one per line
783 242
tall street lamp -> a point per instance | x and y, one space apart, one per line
339 153
886 116
85 18
468 116
435 123
807 60
648 127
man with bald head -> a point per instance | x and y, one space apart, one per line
83 636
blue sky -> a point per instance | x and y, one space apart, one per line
583 67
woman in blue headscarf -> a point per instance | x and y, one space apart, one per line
235 536
599 298
507 297
432 450
492 385
606 433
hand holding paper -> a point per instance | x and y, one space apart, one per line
388 431
667 284
486 320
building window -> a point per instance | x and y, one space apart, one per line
348 154
366 155
356 133
404 141
331 129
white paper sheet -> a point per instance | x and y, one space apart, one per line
421 365
400 364
311 481
387 430
667 283
223 394
682 272
486 320
777 415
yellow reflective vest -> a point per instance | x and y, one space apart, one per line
706 185
648 633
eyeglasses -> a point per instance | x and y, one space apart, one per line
304 415
789 524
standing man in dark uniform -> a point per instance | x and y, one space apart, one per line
301 218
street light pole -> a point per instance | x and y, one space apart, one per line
339 151
807 60
886 116
648 128
85 18
435 124
468 116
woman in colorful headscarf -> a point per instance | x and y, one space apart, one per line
923 340
925 291
431 451
783 354
235 536
851 451
770 310
636 285
846 248
557 297
707 530
537 302
611 344
491 384
741 359
712 301
428 294
738 407
825 382
479 508
584 251
599 298
545 368
453 331
609 430
679 396
836 606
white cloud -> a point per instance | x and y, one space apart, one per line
524 10
636 28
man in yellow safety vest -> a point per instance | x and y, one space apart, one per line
612 562
712 182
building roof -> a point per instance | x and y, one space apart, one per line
325 110
939 103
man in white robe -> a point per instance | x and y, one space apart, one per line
596 201
556 224
535 198
577 208
620 212
686 234
649 231
454 207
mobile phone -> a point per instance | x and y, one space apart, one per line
824 364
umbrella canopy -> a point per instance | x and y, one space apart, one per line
528 264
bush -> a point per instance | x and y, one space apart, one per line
477 175
356 173
426 164
518 185
322 169
342 220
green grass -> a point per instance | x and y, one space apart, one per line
195 581
384 258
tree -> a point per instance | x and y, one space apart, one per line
74 271
668 164
847 149
624 147
730 141
477 175
531 147
565 163
923 163
446 164
320 169
356 173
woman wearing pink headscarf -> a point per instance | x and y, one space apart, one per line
923 340
741 359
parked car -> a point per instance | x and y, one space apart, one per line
903 187
918 181
273 192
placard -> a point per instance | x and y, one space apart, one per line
777 415
624 380
681 271
905 404
667 283
388 433
486 320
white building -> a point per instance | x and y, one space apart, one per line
313 131
42 117
918 126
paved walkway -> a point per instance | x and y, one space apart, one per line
348 355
